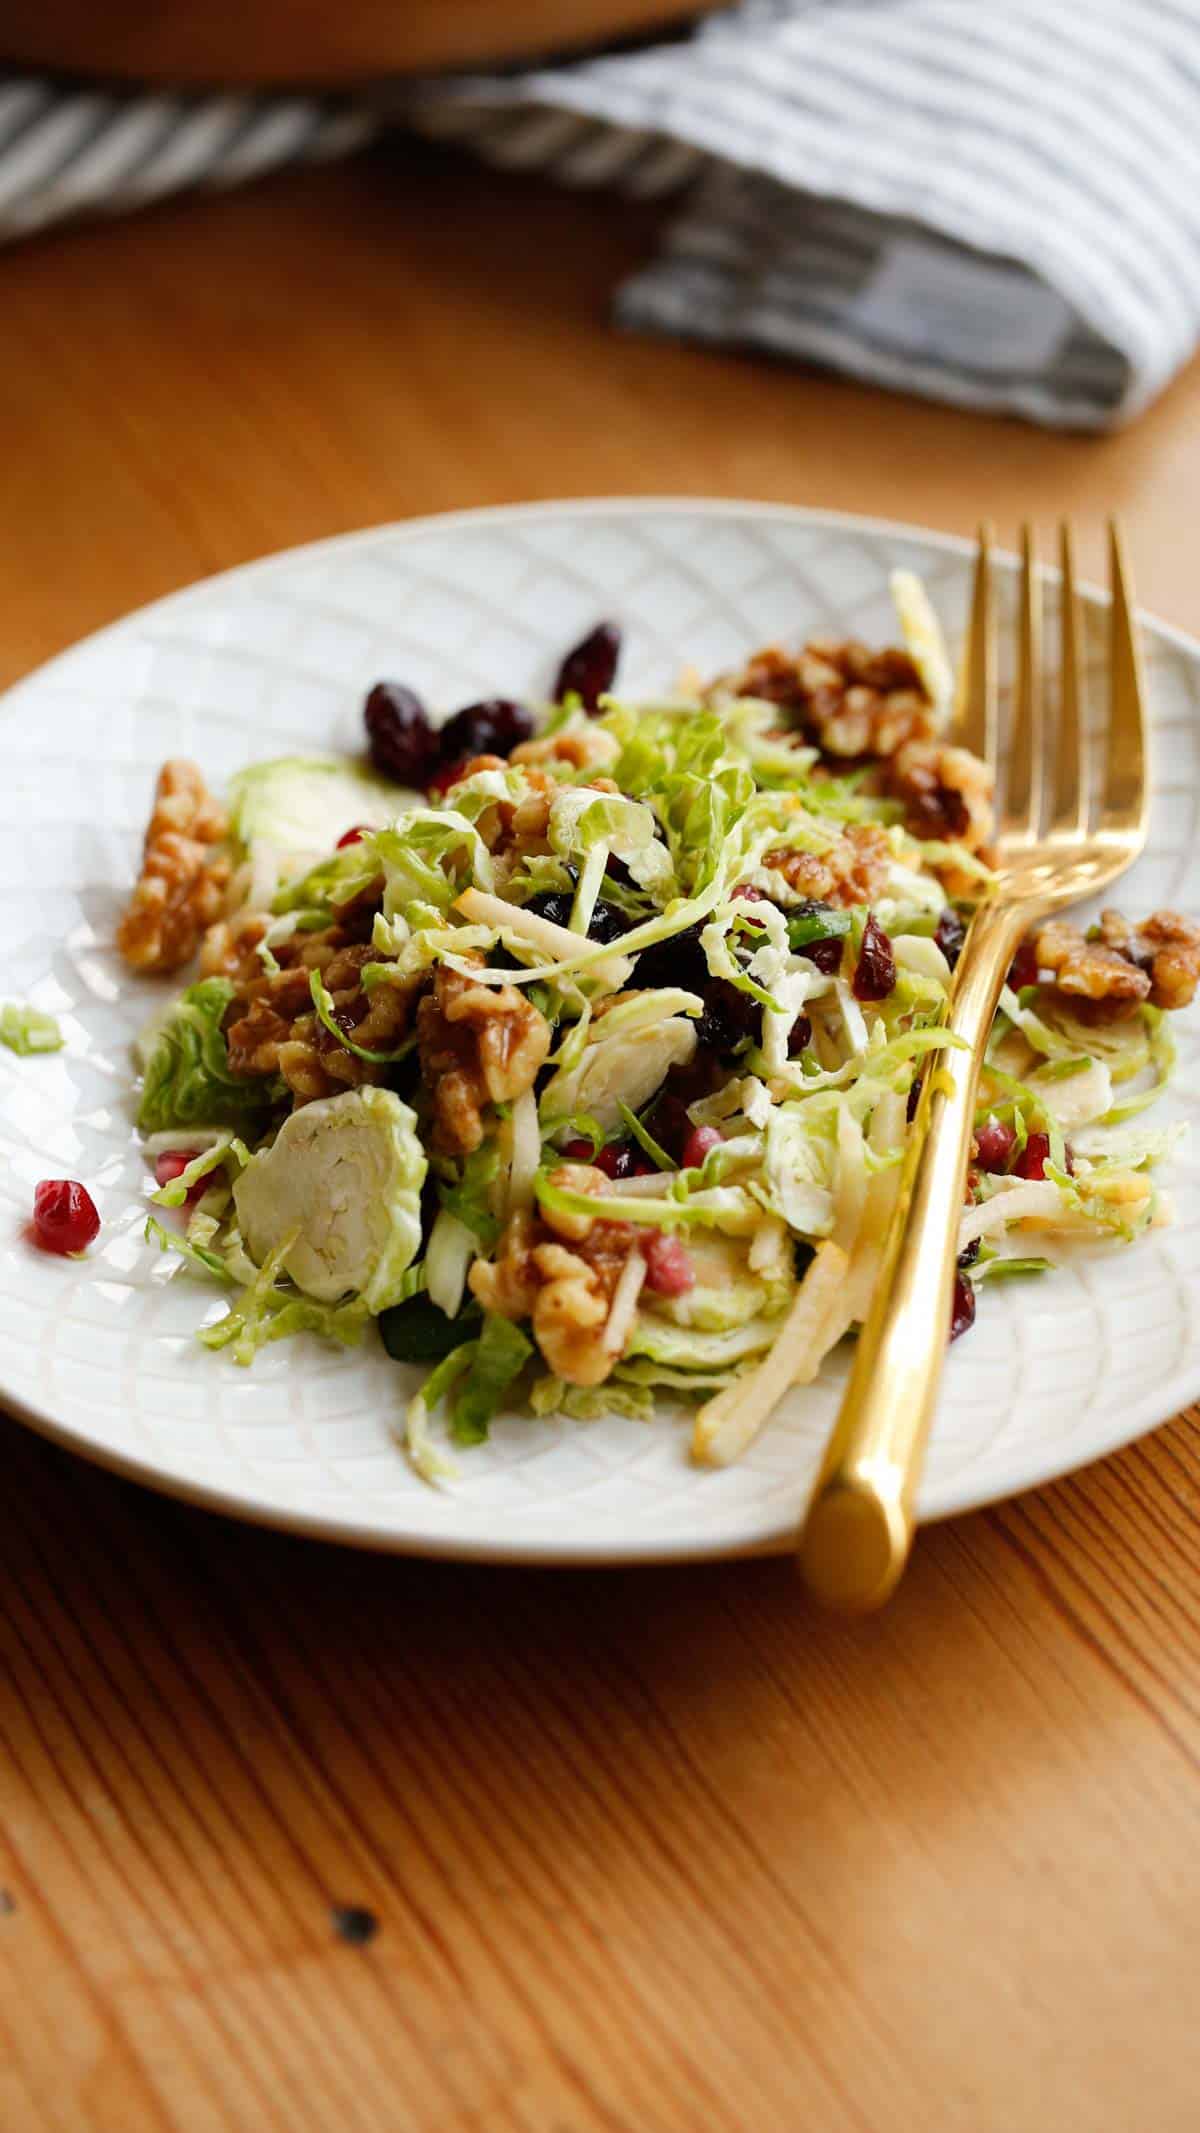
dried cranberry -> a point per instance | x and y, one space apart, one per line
697 1145
552 904
799 1037
606 922
353 836
1031 1163
64 1215
669 1269
578 1151
827 955
969 1254
401 742
729 1016
492 727
729 1013
994 1143
670 1123
1024 967
589 670
679 960
962 1310
914 1098
950 935
816 931
875 972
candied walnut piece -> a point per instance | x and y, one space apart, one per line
230 947
508 1283
946 792
270 1028
569 1316
1089 970
573 1177
478 1044
849 700
183 878
254 1040
567 1293
583 750
1166 946
853 870
606 1248
302 1067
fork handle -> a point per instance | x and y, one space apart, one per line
859 1526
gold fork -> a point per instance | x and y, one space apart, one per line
859 1526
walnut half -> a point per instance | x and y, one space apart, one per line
478 1044
1121 964
184 873
568 1293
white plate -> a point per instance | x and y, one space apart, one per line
99 1353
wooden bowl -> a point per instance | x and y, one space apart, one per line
334 41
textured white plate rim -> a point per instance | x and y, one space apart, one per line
954 1498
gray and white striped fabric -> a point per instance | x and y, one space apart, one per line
993 202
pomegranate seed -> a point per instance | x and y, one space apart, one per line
1024 967
617 1160
875 974
64 1215
748 894
578 1151
1031 1163
590 668
448 775
697 1145
354 836
642 1167
669 1269
169 1167
401 742
994 1144
962 1310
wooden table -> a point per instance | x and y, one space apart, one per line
648 1852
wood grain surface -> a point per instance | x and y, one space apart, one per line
252 41
294 1839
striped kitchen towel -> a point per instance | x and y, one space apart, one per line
993 202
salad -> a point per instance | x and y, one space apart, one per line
574 1048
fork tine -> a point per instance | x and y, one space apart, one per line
1071 781
1123 796
976 719
1023 807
